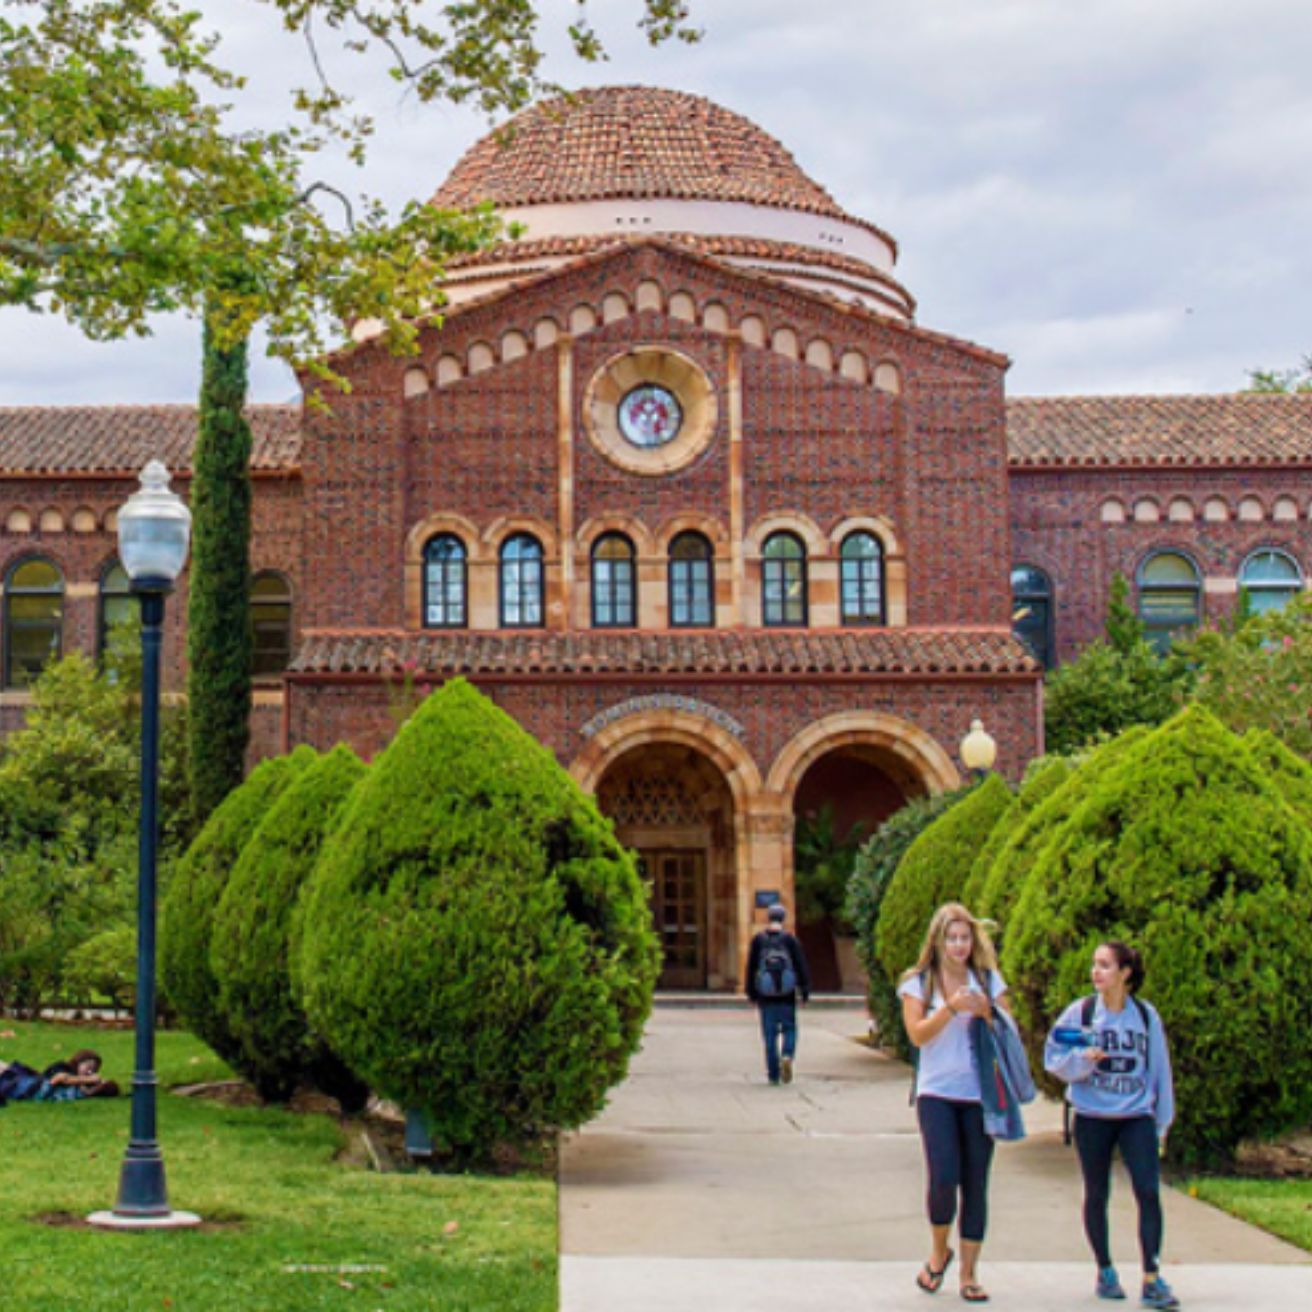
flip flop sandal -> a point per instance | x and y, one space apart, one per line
973 1293
935 1278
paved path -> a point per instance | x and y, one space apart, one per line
703 1189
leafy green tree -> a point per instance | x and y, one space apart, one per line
1124 630
1298 379
823 861
475 942
873 870
1187 849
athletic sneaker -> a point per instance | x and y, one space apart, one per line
1109 1283
1157 1293
786 1070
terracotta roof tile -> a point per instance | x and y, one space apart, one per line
122 438
900 651
633 142
1236 428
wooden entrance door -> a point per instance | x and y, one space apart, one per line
678 896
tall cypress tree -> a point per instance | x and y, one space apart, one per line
218 606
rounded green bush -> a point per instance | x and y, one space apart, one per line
255 923
933 872
194 889
1186 849
876 863
1016 857
475 942
1047 776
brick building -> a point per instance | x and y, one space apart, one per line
680 483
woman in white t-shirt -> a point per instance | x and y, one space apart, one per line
955 979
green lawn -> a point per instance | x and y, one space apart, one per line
454 1243
1284 1207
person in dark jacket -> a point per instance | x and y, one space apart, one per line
777 976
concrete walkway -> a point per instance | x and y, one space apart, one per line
703 1189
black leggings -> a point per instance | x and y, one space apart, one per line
957 1155
1096 1140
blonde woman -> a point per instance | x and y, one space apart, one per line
956 978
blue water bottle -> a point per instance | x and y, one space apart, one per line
1075 1036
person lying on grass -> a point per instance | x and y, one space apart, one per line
63 1081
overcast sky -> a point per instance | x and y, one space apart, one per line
1118 194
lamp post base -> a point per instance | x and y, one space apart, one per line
167 1221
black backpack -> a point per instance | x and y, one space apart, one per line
1087 1008
776 975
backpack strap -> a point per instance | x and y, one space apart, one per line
1147 1017
1087 1008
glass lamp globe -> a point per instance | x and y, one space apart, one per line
978 750
154 529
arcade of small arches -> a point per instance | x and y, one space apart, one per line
714 833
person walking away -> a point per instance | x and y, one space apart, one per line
954 980
1110 1049
777 975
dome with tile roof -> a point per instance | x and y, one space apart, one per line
616 164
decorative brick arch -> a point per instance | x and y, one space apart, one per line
920 754
786 521
692 521
629 525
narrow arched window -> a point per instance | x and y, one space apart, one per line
117 609
1271 578
692 582
521 582
862 579
271 623
1031 611
34 620
783 580
614 583
446 583
1170 597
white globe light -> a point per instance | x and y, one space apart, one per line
154 529
978 750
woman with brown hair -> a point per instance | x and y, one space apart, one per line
955 979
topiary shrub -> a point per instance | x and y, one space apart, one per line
1186 849
933 871
1040 782
476 943
194 889
255 924
1289 771
1019 851
875 864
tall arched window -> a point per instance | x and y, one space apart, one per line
1031 611
446 583
117 607
614 582
783 580
1170 597
521 582
862 579
1271 578
692 582
271 623
34 619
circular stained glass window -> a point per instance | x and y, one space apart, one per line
650 416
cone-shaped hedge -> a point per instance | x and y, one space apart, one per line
1186 849
933 872
475 942
194 890
1021 849
255 923
1038 787
1289 771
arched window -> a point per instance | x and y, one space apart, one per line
783 580
614 583
117 607
692 582
446 583
1031 611
271 623
862 583
1271 578
521 582
1170 597
34 619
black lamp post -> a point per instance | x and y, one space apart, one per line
154 529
